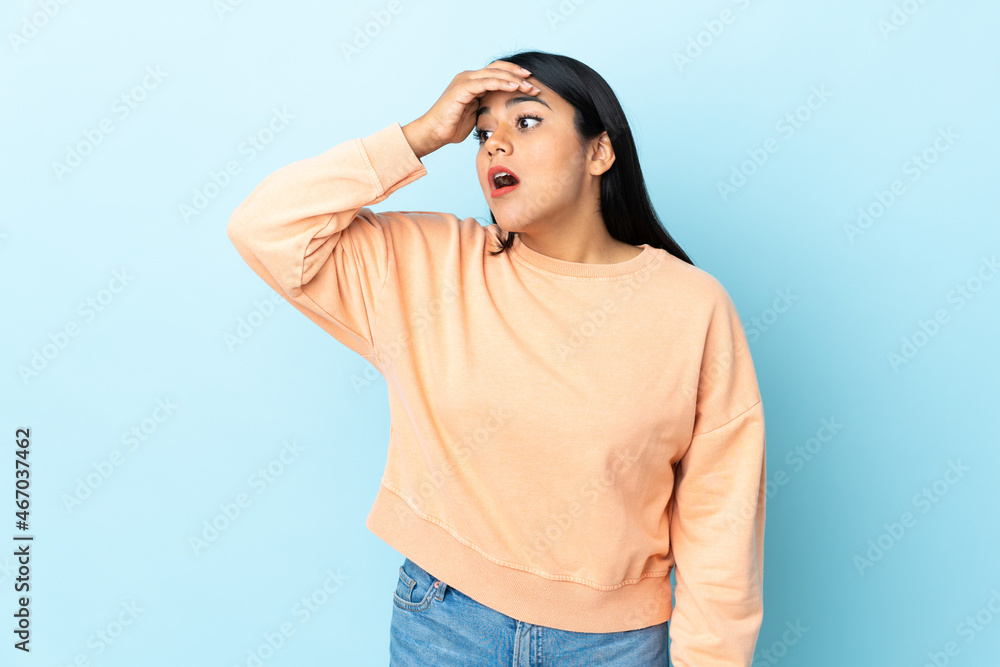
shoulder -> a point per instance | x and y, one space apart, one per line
693 287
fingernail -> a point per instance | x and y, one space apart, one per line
526 71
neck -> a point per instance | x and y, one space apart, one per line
578 235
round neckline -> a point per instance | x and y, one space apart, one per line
583 269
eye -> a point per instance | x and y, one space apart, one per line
481 135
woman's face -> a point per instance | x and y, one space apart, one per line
534 138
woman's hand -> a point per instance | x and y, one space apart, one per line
453 116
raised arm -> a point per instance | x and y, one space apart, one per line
305 230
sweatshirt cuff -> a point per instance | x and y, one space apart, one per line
391 157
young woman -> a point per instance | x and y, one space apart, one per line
574 408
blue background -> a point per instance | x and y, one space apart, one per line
825 309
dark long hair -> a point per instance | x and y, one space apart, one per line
628 213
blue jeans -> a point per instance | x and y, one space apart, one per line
435 624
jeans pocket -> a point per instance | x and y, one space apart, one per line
416 589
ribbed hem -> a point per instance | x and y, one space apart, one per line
391 157
520 595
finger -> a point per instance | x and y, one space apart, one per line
508 86
477 87
500 80
503 68
517 69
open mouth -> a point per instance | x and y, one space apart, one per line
503 180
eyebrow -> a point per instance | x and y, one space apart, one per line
511 102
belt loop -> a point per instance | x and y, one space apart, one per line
441 586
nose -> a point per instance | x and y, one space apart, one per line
494 144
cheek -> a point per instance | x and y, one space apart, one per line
559 169
481 166
482 183
559 179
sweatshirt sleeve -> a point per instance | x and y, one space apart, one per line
717 519
306 231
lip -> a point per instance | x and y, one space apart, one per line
495 169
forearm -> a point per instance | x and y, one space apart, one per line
419 139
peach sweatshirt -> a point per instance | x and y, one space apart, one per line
562 434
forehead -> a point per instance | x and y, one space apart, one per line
500 102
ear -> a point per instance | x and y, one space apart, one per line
602 155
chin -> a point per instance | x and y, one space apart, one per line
513 216
511 222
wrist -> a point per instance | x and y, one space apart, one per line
417 137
